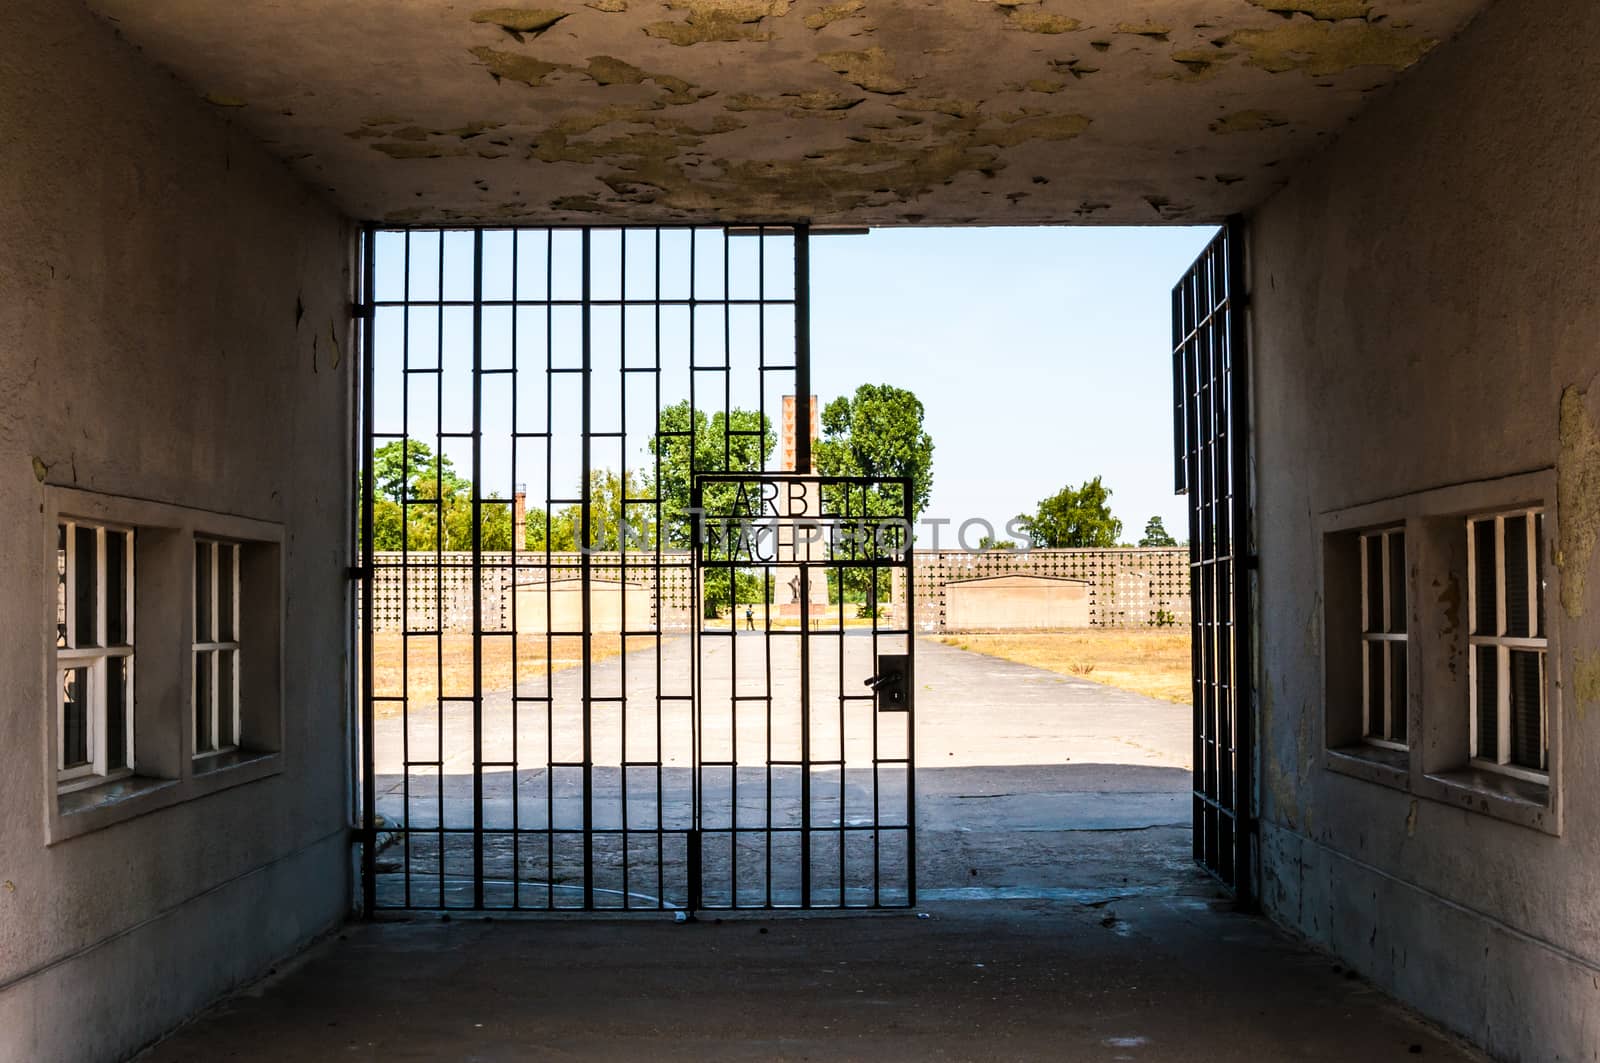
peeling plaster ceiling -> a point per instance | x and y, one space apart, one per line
854 112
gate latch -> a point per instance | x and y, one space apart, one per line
891 683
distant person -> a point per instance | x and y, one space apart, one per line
750 617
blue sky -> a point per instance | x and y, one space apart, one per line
1041 355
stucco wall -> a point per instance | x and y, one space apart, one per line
173 328
1423 293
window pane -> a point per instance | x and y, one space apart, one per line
75 718
225 702
83 598
1483 621
1516 572
1488 696
227 573
1375 673
202 593
116 713
61 585
1538 568
204 740
1397 582
1527 709
1373 545
116 588
1397 689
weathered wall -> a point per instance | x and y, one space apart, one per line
171 329
1423 294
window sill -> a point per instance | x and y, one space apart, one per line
1376 764
113 794
234 761
1514 800
80 812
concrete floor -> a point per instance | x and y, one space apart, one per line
1059 917
1142 978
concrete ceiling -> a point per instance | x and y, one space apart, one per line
838 111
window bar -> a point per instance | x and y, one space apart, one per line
97 673
438 572
1502 653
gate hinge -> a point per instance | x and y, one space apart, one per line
358 310
358 572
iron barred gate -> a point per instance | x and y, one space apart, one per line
1210 430
536 407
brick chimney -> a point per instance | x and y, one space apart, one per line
519 517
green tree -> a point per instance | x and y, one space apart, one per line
406 470
1156 534
1074 517
877 432
411 461
688 442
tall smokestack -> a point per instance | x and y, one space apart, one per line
519 517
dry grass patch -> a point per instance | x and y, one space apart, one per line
416 670
1154 662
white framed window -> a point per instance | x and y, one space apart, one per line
94 653
1384 687
1509 647
216 647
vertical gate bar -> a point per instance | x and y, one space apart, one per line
733 585
843 760
1243 552
877 784
405 569
622 546
766 571
661 837
477 562
802 467
697 544
549 572
586 582
438 556
802 352
516 622
805 716
369 789
911 705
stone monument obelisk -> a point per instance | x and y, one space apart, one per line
795 505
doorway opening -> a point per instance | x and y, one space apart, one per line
654 611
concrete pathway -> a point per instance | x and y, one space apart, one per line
1027 781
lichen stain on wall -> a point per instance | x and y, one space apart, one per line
833 13
871 70
518 21
1324 48
1577 497
709 21
1586 682
1324 10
